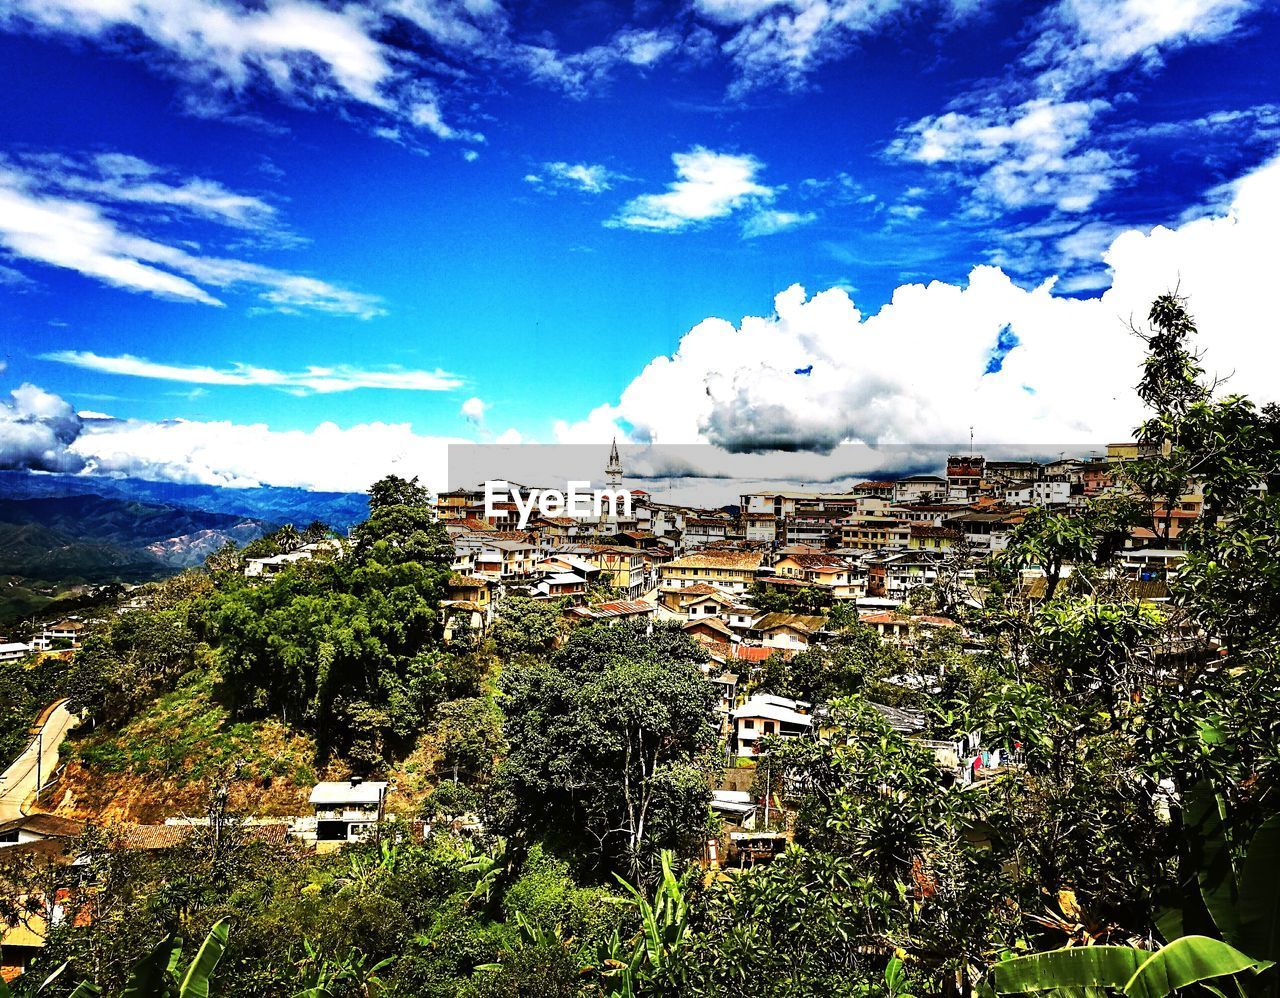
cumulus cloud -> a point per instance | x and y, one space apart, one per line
920 370
709 185
57 212
473 410
313 380
36 428
326 458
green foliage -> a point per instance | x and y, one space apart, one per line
524 626
599 739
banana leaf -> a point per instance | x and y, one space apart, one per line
1259 905
1138 973
157 972
195 984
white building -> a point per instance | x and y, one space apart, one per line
765 715
348 810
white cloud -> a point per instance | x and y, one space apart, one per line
769 221
591 178
915 371
1030 155
281 44
473 410
708 185
426 114
313 380
781 42
35 429
1079 40
1029 139
326 458
41 222
581 73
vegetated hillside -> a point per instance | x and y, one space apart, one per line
162 762
270 503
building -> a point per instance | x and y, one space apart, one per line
699 531
63 634
506 559
927 537
468 604
879 490
730 570
964 475
348 810
1045 493
826 571
787 631
874 532
13 651
611 613
919 488
621 566
765 715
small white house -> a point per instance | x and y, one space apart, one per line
13 651
765 715
347 810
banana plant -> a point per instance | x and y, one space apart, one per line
158 974
1244 906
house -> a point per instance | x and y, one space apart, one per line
711 630
964 474
560 585
879 490
1056 493
347 810
894 575
892 627
825 571
65 633
760 526
611 613
256 568
38 828
927 537
731 570
765 715
735 807
726 684
621 566
13 651
506 559
790 631
700 531
919 488
468 604
874 532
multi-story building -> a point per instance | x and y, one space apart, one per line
729 570
873 532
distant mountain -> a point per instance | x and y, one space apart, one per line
93 538
269 503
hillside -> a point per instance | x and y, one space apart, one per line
161 762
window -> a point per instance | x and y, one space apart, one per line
749 724
768 727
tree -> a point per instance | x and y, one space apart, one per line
602 741
396 491
523 625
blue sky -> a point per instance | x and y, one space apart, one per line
435 201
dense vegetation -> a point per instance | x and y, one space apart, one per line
1141 826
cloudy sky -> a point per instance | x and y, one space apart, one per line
298 242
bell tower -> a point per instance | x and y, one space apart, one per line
613 470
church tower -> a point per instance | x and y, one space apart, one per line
613 470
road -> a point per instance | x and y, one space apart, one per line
18 782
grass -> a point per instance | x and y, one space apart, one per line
164 761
